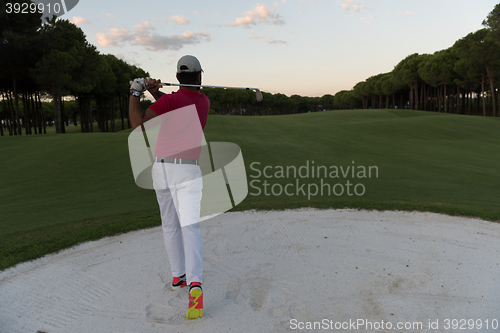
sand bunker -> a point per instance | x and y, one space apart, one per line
270 272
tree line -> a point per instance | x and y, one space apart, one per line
54 59
243 102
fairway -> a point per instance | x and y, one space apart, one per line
59 190
426 161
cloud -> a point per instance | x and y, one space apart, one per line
144 26
347 5
79 20
407 13
157 19
259 14
174 42
111 38
274 41
110 15
179 19
358 8
368 19
117 33
262 36
146 37
104 40
128 61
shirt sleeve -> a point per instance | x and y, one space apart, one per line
161 105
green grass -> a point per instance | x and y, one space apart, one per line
59 190
427 161
72 129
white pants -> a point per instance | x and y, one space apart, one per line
178 189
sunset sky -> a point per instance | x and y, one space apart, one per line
304 47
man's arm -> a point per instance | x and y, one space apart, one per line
153 88
136 115
157 94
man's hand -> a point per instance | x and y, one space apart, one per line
140 85
153 88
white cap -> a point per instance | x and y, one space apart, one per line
188 63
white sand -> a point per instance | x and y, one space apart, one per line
263 269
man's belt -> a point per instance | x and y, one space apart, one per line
176 160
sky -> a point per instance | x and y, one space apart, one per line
304 47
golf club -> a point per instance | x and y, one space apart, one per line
258 94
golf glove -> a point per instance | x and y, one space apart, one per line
140 84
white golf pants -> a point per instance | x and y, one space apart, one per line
178 189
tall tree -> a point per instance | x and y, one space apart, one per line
103 91
390 87
476 48
120 87
361 91
65 45
492 23
83 80
406 72
438 71
19 49
326 101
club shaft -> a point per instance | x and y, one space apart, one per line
258 93
204 86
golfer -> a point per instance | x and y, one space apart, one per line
177 176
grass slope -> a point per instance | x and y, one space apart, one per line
427 161
59 190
